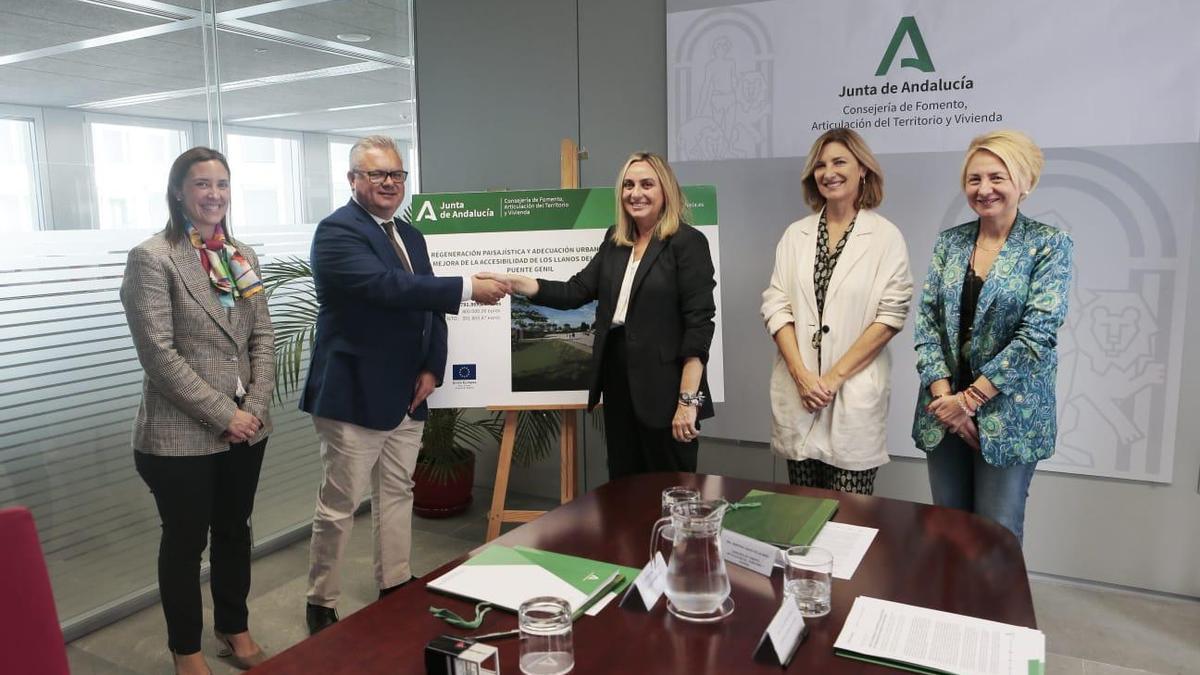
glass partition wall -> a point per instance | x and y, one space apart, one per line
97 98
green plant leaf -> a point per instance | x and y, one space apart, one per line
537 434
288 282
450 439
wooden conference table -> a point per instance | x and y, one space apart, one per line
923 555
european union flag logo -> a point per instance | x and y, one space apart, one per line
463 371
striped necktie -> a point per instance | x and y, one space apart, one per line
393 232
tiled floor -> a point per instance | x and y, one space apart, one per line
1089 630
137 645
1101 631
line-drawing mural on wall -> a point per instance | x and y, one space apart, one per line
722 88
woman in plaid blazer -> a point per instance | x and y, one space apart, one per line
199 321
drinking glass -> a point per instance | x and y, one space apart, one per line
671 496
546 644
676 494
808 579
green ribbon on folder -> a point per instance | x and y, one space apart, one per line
454 619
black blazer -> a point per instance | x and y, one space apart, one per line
669 318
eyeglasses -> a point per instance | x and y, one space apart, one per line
377 177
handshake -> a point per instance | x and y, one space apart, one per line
489 288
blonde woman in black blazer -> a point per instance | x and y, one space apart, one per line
653 277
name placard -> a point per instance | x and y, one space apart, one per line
648 587
783 635
748 552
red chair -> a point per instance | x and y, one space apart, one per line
31 643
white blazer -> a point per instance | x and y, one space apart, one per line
871 283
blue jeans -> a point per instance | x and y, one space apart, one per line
960 479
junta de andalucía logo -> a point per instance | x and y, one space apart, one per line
906 31
907 28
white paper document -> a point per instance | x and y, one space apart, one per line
600 604
506 586
847 543
935 641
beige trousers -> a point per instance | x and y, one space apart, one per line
352 457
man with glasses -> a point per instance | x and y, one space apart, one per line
380 350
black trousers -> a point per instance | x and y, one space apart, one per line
634 447
196 496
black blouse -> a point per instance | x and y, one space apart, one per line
972 285
823 271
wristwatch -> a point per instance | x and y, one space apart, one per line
695 400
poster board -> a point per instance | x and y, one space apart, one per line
516 353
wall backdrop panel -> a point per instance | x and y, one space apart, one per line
918 79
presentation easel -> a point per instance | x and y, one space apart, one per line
497 515
566 446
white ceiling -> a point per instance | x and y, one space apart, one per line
277 58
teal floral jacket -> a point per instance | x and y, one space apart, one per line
1021 307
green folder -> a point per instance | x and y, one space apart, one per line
782 520
506 577
1036 667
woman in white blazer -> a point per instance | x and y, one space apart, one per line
839 292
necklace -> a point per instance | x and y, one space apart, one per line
989 250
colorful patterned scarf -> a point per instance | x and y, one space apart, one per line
227 269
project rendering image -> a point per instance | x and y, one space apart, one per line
551 349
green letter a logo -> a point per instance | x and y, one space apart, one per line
426 212
922 62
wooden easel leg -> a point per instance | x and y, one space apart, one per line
508 439
566 447
568 164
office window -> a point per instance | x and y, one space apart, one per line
265 180
339 164
19 194
79 153
130 164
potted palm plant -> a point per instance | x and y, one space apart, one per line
445 470
446 464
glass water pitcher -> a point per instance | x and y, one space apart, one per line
697 581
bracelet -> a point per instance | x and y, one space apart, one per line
691 400
962 404
972 400
978 395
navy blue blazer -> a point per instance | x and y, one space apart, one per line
378 325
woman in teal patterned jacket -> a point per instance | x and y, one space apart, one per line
986 329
